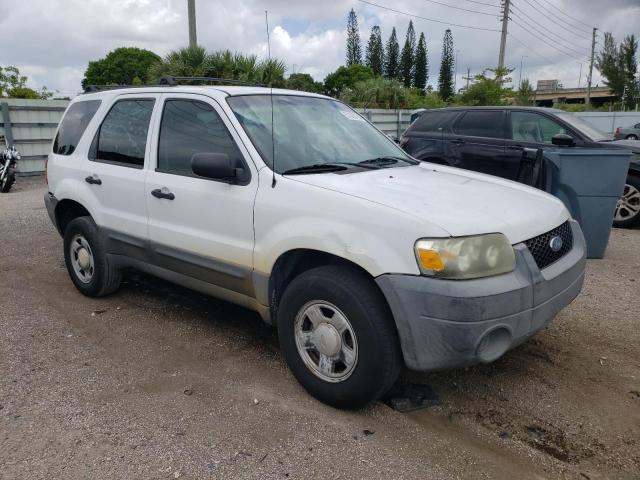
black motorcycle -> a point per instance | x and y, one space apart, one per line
8 161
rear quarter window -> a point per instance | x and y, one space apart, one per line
73 125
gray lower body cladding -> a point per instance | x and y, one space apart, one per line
446 323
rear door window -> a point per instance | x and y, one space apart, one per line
189 127
122 138
433 121
73 125
481 123
533 127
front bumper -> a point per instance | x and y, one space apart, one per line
454 323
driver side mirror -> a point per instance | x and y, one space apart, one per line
216 166
563 140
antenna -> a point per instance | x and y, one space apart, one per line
273 141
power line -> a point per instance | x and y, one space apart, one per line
558 39
428 19
542 39
568 15
484 3
544 27
544 57
463 9
553 19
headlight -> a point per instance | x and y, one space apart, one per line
465 257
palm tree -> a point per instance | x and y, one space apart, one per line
197 62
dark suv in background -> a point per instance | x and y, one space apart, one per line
492 140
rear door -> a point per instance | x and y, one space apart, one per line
477 142
114 172
424 138
202 228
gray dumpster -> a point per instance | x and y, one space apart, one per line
589 181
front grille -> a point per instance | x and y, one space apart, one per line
540 246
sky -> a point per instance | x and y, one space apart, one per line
52 41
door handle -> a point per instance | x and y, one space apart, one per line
515 147
93 180
457 141
163 193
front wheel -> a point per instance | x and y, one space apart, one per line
631 137
338 337
7 182
627 213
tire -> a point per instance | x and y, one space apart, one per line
353 295
100 277
631 137
627 212
8 181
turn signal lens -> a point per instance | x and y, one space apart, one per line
431 260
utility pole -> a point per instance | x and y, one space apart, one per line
468 76
587 100
191 8
520 79
503 38
580 75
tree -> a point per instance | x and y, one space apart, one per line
197 62
618 65
628 54
303 82
374 58
486 90
407 56
376 93
524 95
122 66
392 56
421 64
354 50
445 79
14 85
346 77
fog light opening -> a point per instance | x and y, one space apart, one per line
493 345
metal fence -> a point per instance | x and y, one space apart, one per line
31 125
608 121
391 122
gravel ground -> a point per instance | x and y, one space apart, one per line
160 382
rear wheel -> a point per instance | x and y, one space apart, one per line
627 213
87 263
631 137
338 337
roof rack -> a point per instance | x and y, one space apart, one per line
172 81
100 88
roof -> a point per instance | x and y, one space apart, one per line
503 107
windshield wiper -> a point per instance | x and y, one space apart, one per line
388 160
316 168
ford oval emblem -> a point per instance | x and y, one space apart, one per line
555 243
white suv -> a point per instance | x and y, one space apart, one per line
364 258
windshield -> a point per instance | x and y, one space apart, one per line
584 127
311 131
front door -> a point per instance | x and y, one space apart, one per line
477 142
200 227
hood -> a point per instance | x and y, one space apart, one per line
633 145
459 201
